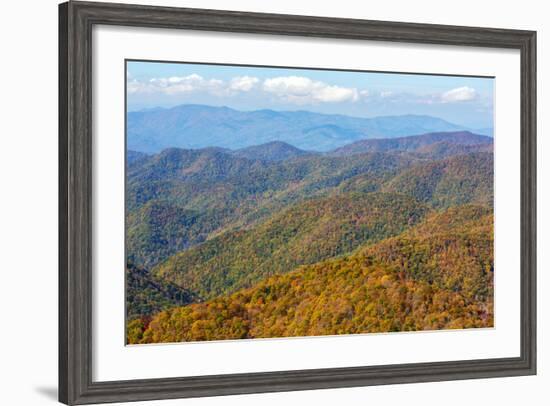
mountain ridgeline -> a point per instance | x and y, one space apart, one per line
271 151
470 142
198 126
276 240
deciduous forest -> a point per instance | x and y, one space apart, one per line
379 235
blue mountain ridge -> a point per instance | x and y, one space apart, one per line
194 126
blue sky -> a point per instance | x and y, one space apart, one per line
462 100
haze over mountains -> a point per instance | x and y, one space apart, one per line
200 126
431 145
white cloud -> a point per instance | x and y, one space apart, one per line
386 93
459 94
181 79
176 85
243 83
302 90
186 84
291 89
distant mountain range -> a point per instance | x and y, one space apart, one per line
430 145
199 126
419 143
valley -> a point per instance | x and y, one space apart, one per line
277 240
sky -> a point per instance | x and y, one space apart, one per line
467 101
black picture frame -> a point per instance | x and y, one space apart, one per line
76 20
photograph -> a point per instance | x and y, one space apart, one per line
266 203
279 202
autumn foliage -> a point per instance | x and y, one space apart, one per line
382 235
389 286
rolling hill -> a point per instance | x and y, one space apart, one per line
302 234
192 176
159 229
246 224
452 181
452 250
271 151
379 288
146 295
180 198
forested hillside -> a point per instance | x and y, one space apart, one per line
177 198
373 290
147 295
303 234
416 143
273 241
453 181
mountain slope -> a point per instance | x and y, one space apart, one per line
303 234
132 156
146 295
452 250
413 143
373 290
453 181
198 126
179 198
159 229
443 149
271 151
206 177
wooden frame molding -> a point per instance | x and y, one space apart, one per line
76 20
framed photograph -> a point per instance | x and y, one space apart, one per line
258 202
